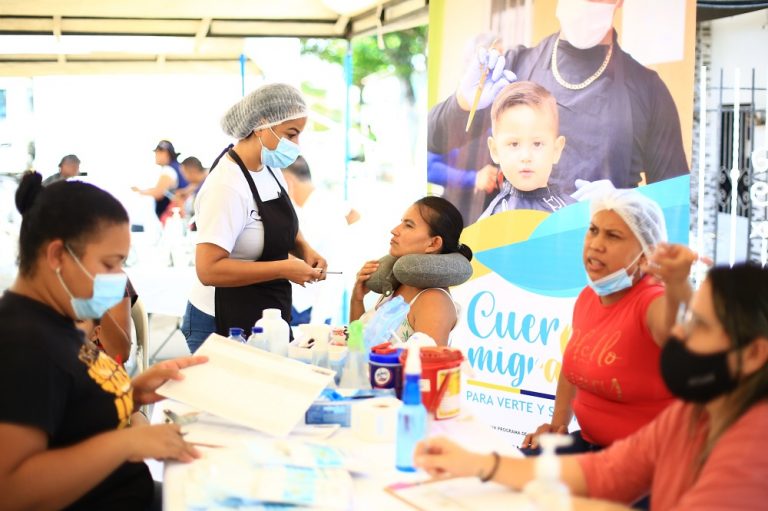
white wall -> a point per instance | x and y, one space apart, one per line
740 42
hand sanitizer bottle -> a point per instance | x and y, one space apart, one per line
412 417
546 490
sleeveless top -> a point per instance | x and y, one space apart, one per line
404 331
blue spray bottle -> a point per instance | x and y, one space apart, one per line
412 417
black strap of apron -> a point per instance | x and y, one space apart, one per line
221 155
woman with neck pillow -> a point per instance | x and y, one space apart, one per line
610 376
431 225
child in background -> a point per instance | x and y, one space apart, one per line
525 144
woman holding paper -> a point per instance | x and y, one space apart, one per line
66 406
703 452
246 224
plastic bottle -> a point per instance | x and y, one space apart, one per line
321 334
355 372
236 334
412 417
546 490
382 326
257 339
276 331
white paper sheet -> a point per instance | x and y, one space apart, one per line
261 390
460 494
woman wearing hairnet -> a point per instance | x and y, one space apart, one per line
610 378
246 225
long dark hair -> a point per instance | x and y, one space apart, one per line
444 220
72 211
741 305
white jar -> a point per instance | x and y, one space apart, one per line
276 331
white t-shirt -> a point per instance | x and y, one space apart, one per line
227 216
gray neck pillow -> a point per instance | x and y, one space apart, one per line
419 270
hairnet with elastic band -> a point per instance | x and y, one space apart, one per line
267 106
642 215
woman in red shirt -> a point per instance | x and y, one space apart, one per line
703 452
610 374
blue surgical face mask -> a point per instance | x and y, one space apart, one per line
108 290
615 282
281 156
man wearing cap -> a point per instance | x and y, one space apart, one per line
69 166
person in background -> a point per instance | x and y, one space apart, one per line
703 452
610 378
323 221
246 224
169 177
432 225
66 407
69 166
111 332
194 173
618 116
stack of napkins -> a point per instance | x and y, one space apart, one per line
269 474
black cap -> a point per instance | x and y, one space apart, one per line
165 145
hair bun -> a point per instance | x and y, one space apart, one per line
29 188
464 250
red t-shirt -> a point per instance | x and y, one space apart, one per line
613 361
662 458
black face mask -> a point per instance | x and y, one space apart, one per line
693 377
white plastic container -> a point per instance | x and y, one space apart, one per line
276 331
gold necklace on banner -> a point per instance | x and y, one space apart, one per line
588 81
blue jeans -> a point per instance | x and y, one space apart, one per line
196 326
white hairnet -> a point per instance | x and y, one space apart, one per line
641 214
267 106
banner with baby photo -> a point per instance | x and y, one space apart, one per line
535 109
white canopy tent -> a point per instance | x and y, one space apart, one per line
44 37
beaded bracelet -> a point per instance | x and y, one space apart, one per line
496 461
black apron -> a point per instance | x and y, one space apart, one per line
243 306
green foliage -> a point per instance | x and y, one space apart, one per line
368 58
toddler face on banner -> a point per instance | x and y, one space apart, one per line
525 141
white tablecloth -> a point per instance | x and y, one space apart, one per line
369 491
